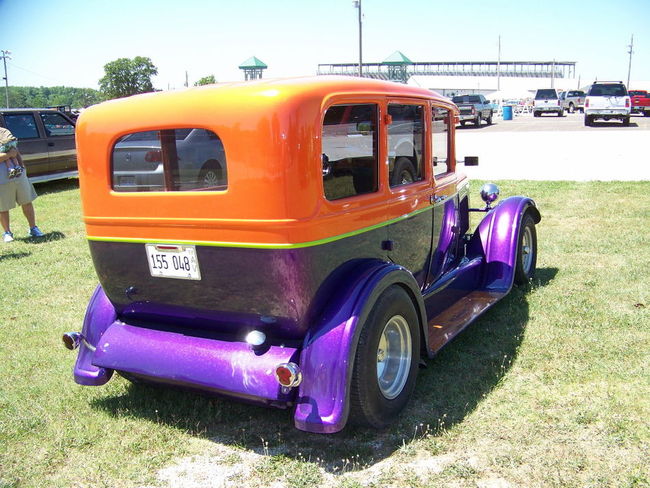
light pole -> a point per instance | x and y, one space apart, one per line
5 56
357 4
629 66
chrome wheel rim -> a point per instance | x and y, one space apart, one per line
527 250
210 178
394 357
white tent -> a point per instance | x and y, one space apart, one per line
511 94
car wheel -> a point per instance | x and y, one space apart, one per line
386 361
536 114
560 113
526 251
489 119
403 172
477 122
210 175
646 114
588 121
626 121
571 108
462 123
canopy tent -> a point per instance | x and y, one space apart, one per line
510 94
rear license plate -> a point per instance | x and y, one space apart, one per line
173 261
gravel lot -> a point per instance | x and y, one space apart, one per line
557 148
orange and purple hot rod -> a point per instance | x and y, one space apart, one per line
297 243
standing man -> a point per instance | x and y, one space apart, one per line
15 190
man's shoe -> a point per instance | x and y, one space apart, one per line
35 232
7 236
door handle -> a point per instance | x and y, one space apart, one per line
50 144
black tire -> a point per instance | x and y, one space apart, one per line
489 119
560 113
646 113
376 395
626 121
588 121
536 114
403 172
477 122
462 123
572 108
526 251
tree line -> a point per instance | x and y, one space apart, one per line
122 78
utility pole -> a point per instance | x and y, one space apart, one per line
5 56
629 66
357 4
499 66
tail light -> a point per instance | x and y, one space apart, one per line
586 102
558 103
627 102
288 375
154 156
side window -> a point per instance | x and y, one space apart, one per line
169 160
349 152
440 132
56 125
405 144
22 126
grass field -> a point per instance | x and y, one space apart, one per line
551 388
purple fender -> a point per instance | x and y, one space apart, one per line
496 239
99 315
327 357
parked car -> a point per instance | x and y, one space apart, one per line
547 100
573 100
607 100
474 108
46 140
311 278
640 100
138 160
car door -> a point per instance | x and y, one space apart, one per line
59 131
446 224
32 142
409 182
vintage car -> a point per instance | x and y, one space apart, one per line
318 268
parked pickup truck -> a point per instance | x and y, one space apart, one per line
573 100
640 102
474 108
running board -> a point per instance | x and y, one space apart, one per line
452 320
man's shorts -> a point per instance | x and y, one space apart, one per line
16 191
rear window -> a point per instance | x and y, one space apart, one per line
467 99
169 160
549 94
608 90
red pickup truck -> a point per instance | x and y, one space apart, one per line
640 102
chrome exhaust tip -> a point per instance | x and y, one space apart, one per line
71 340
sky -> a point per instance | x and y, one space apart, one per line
68 42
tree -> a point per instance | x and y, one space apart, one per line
125 77
206 80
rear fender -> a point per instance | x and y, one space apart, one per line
496 239
99 315
327 357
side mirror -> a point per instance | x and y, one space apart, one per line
471 161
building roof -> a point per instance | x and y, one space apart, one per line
397 58
253 62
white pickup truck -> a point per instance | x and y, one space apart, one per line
607 100
547 100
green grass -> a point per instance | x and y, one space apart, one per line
550 388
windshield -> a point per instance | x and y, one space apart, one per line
613 90
549 94
466 99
